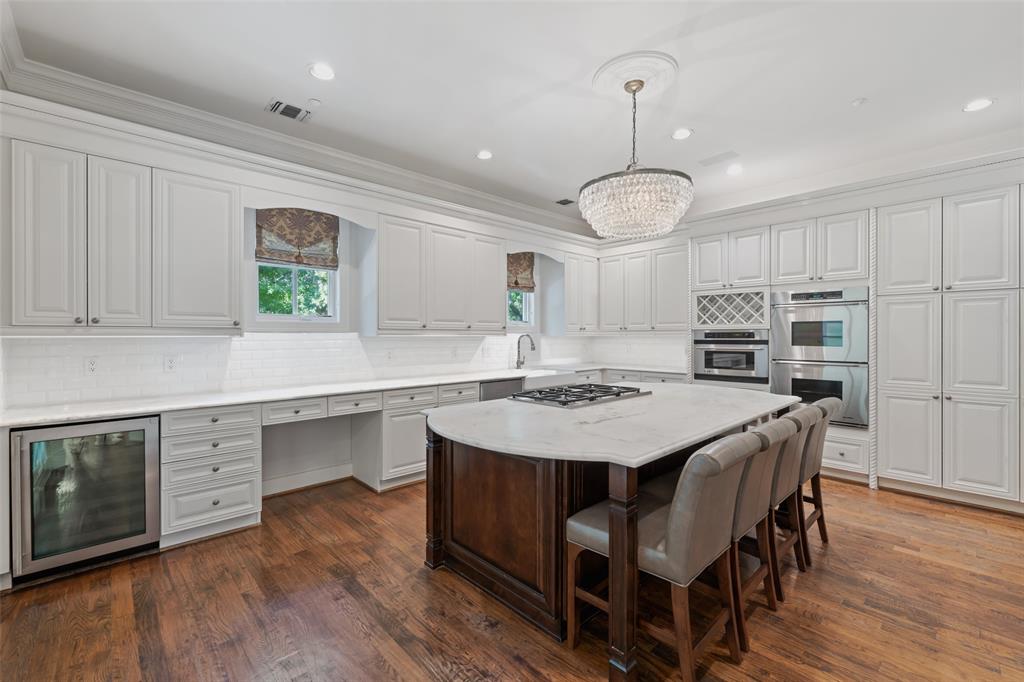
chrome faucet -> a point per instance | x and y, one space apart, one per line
520 358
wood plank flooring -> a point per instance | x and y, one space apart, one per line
332 587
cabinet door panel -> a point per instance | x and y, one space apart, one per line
910 437
670 307
981 446
612 291
196 236
748 257
120 243
402 284
793 252
49 221
910 343
980 243
710 266
589 294
638 292
449 264
910 247
404 451
981 346
487 310
843 246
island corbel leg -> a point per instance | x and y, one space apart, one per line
623 572
435 500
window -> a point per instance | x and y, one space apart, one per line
296 293
520 308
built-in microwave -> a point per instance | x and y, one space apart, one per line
739 356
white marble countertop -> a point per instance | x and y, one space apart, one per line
106 409
631 431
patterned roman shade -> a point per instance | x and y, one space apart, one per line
297 237
520 271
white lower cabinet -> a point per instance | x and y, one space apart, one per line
404 443
613 375
198 505
980 445
910 437
846 449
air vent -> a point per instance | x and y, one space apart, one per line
291 111
719 158
565 202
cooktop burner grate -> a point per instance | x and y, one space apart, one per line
577 395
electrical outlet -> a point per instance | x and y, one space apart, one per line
92 365
171 363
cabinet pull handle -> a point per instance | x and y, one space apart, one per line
949 286
296 411
78 320
811 277
355 404
216 502
935 288
949 397
412 397
469 326
935 397
95 320
819 276
842 454
215 444
424 326
236 323
216 469
214 419
460 392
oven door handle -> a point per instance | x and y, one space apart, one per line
820 304
702 346
819 363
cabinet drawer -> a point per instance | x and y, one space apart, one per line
208 418
843 454
589 377
294 410
458 393
354 403
206 469
662 378
613 375
202 504
190 446
404 398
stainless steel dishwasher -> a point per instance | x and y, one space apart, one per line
501 388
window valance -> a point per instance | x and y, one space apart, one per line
297 236
520 271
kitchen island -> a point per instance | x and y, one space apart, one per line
503 476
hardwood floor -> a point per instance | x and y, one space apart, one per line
332 586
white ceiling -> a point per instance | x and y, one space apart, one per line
425 85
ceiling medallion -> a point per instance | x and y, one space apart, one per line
637 202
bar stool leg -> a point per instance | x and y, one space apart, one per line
801 523
737 596
773 553
764 539
729 604
572 555
819 504
684 634
793 512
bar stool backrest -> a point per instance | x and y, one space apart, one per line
755 497
815 448
701 516
787 473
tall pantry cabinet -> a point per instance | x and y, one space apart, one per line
948 313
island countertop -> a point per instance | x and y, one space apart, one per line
630 431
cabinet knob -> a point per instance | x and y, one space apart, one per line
216 502
214 419
424 326
935 288
355 404
842 454
949 397
412 397
296 411
811 277
935 397
236 323
216 469
95 320
949 286
819 276
469 326
215 444
460 392
78 320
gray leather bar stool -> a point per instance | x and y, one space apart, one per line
753 507
810 471
677 541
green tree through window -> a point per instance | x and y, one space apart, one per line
301 292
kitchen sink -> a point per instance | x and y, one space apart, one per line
542 378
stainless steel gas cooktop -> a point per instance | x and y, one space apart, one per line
578 395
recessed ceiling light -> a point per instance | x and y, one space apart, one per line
312 103
484 154
859 102
681 133
734 169
978 104
322 71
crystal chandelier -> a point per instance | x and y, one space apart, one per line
637 202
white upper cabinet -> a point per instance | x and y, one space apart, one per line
981 240
612 289
581 294
981 345
710 261
748 257
910 247
487 310
637 295
792 252
910 437
449 273
670 308
843 246
910 343
197 234
120 237
981 446
402 272
49 235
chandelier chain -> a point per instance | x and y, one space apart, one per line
632 160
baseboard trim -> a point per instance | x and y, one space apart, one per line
311 486
843 475
953 496
306 479
209 531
